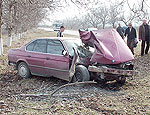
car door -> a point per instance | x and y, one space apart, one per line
35 56
56 63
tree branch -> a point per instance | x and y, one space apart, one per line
70 84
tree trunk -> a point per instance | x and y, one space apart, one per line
1 46
113 25
103 25
18 35
10 24
1 41
16 29
15 37
9 40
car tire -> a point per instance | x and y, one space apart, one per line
81 74
23 70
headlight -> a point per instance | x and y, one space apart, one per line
128 66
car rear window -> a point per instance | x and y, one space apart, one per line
40 46
30 46
37 46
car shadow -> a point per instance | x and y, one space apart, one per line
55 83
109 86
114 86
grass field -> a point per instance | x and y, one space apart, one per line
129 99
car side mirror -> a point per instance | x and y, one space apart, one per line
64 52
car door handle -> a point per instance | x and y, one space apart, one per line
28 56
47 58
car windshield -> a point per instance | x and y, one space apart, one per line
82 50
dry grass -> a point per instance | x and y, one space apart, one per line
131 98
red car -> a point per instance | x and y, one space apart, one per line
102 55
50 57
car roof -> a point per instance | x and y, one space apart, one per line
58 38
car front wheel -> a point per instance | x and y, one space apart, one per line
81 74
23 70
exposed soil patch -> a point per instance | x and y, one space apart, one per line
93 99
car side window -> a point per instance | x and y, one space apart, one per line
40 46
55 47
30 46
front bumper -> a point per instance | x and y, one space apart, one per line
106 70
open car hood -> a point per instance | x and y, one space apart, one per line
109 46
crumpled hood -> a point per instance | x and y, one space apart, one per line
109 46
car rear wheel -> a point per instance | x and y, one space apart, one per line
81 74
23 70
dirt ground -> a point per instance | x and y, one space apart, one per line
93 99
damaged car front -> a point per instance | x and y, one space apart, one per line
112 59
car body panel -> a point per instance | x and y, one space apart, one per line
36 62
57 65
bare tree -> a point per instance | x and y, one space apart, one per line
8 12
92 19
139 9
102 14
114 12
21 15
72 23
87 4
127 18
84 22
1 42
